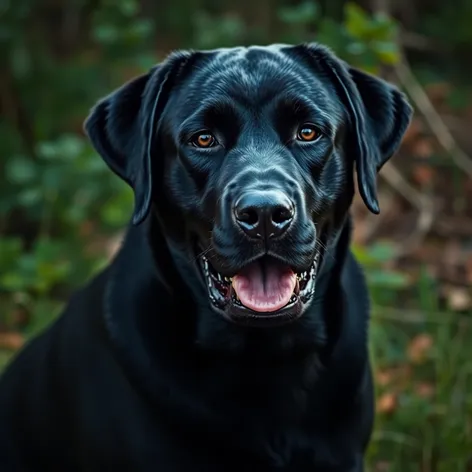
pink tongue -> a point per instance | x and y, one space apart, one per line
265 289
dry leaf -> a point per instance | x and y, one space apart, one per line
419 348
468 270
11 341
423 148
386 403
423 174
424 390
86 228
459 299
438 92
384 377
412 132
382 466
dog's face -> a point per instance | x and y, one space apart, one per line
248 155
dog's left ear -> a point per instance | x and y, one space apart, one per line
123 125
379 114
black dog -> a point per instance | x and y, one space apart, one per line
230 331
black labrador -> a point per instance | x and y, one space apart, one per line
230 331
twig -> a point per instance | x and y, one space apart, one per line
422 202
424 105
410 40
395 179
382 313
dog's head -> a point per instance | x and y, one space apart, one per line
248 156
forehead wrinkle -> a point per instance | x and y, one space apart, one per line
255 90
318 103
219 104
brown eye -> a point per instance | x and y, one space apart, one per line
204 140
308 133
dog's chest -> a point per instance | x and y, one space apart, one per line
298 451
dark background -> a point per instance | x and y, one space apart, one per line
62 211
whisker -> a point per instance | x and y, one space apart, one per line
205 252
326 249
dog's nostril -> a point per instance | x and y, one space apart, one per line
248 216
282 214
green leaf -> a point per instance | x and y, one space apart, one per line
356 48
106 33
357 21
20 61
382 251
388 279
304 13
128 7
20 170
13 281
30 197
387 52
10 251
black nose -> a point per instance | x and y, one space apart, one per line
264 214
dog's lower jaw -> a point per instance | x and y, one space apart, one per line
243 299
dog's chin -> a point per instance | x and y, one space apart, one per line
263 293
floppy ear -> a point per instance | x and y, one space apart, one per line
379 116
122 127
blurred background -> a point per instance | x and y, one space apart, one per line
62 212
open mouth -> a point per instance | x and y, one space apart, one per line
265 289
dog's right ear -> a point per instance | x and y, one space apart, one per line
122 127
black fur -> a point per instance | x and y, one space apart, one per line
140 373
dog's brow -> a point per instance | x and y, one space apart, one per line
311 109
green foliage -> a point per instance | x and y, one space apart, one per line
226 32
365 40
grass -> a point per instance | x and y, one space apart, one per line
423 370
